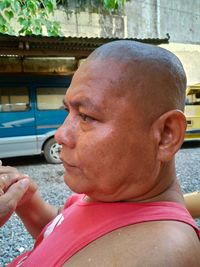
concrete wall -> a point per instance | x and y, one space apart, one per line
179 18
140 19
86 24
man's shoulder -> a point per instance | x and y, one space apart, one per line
163 243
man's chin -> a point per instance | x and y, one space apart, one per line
73 184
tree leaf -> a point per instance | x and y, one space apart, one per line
2 5
2 20
24 23
15 5
9 14
49 6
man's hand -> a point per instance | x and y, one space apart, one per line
19 193
15 190
10 199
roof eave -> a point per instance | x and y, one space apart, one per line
39 46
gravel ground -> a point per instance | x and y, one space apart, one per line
13 237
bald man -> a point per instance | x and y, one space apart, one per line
125 124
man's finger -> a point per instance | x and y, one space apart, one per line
7 179
11 198
8 169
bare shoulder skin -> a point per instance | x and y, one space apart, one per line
149 244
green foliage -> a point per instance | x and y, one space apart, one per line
34 17
28 17
107 5
113 4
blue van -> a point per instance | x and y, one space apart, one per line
31 109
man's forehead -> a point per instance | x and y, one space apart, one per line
109 86
99 66
81 100
102 73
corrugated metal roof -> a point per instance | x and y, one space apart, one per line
58 46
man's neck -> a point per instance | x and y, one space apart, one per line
172 193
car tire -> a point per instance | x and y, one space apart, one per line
52 151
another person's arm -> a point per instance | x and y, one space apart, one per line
192 201
19 193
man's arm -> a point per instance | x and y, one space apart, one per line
36 213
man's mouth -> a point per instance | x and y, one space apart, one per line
68 165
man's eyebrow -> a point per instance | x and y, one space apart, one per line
82 102
85 103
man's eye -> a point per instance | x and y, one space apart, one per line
85 117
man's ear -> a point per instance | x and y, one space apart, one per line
169 131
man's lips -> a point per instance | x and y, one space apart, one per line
68 165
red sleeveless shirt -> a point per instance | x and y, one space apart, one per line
82 222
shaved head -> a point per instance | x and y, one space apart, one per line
124 124
154 75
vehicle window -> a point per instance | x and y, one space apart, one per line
50 98
14 99
193 99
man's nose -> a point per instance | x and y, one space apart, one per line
65 134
